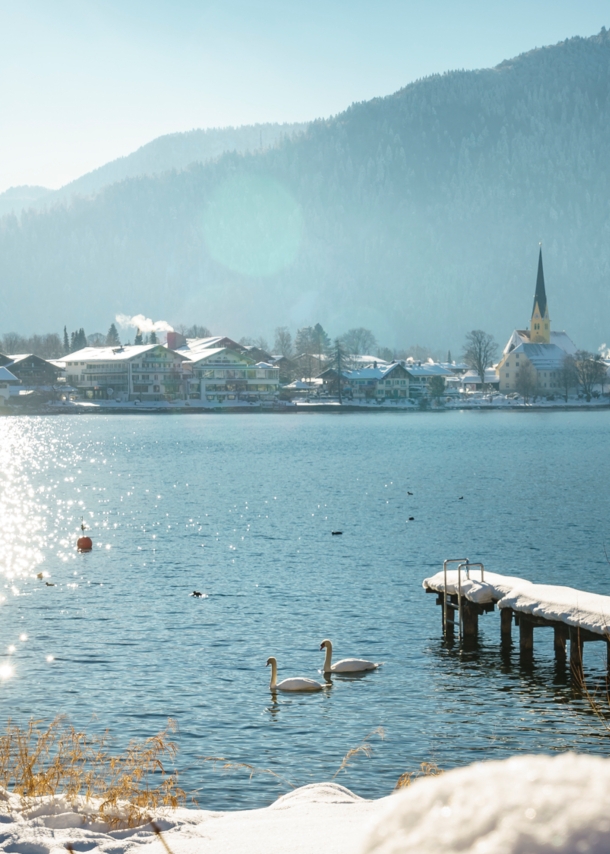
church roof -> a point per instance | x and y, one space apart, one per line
544 357
540 295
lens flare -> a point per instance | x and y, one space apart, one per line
253 225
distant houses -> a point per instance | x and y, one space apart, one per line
217 372
210 370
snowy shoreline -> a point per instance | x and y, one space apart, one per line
302 407
523 804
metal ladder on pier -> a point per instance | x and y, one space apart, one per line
463 563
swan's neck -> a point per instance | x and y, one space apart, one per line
273 682
327 660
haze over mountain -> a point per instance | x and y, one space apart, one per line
417 215
172 151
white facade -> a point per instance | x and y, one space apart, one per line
137 372
221 375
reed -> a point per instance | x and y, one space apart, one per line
426 769
57 759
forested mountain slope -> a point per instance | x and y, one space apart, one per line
172 151
417 214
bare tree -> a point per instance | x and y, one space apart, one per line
590 369
48 346
479 352
568 377
283 341
359 342
96 339
527 381
194 331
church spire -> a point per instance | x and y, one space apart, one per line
540 326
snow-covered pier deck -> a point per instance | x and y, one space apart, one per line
469 591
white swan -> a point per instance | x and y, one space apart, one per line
297 683
346 665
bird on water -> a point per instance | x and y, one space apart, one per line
294 683
346 665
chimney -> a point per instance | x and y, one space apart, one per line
175 340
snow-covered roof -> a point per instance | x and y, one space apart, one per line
7 377
522 336
368 361
213 342
428 370
20 357
115 354
212 355
304 384
544 357
473 377
563 340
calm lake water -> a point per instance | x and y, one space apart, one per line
242 509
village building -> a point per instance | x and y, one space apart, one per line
32 371
7 381
224 375
145 372
538 350
420 375
381 382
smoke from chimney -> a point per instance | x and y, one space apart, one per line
144 324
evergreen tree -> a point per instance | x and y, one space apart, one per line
321 340
340 363
72 342
138 338
112 339
152 338
66 342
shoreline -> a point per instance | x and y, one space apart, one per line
302 409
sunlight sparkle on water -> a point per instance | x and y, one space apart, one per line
6 671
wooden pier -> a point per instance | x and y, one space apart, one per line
464 599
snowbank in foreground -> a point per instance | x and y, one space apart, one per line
523 805
321 819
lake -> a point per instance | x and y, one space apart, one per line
241 508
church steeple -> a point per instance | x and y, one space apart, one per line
540 325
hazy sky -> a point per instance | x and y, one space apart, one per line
85 81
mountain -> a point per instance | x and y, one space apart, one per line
15 199
417 215
172 151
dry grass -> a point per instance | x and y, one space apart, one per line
227 765
426 769
363 748
57 759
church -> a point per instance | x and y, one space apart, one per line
537 347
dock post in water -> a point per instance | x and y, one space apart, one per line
526 635
506 621
576 653
559 642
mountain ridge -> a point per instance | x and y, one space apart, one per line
420 216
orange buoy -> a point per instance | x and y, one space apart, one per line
84 544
